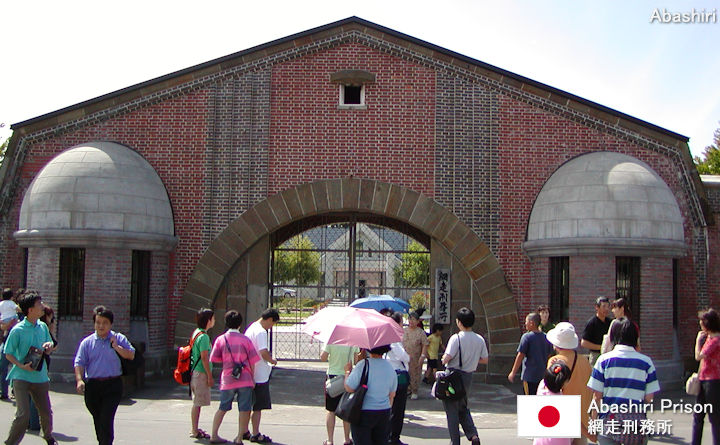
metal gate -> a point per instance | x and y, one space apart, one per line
332 260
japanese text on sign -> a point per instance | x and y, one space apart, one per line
442 296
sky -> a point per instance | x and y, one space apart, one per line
59 53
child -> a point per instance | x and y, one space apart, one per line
434 345
556 376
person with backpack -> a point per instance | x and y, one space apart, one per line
98 372
201 368
465 351
238 357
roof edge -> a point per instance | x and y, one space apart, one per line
364 23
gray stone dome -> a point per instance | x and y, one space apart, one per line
98 194
605 203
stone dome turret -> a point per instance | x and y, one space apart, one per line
605 203
98 194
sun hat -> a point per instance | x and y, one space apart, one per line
563 336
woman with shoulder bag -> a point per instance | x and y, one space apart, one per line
337 357
373 428
707 352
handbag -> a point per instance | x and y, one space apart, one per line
692 385
450 386
350 407
335 386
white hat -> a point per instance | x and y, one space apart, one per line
563 336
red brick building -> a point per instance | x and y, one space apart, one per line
166 196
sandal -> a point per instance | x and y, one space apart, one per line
349 442
246 435
200 435
260 438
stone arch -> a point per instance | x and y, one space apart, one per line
490 293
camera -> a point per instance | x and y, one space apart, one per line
237 370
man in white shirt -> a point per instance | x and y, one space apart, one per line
469 348
260 337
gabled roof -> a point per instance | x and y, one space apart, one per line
602 112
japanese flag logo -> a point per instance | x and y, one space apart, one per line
548 416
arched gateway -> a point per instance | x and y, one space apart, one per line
234 271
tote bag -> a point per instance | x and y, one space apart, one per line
350 406
336 385
692 386
451 386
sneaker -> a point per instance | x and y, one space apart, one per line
413 397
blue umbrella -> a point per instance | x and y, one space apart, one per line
380 302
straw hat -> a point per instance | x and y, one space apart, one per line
563 336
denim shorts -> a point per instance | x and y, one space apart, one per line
244 399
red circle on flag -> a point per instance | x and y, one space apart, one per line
549 416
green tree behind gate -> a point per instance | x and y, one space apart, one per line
299 264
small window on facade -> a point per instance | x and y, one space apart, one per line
140 285
71 286
627 282
352 95
559 288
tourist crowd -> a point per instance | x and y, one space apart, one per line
615 373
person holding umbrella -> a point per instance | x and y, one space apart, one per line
374 425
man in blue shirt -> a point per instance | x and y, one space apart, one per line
31 332
533 353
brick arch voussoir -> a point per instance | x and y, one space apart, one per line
349 194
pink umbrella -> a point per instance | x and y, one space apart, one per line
365 328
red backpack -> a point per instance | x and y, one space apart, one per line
183 370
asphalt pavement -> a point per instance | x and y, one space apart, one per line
160 414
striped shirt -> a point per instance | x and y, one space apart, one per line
624 376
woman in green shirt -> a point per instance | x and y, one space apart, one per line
202 379
336 356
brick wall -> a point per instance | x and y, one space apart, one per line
172 136
482 151
392 140
43 274
590 277
533 143
656 307
107 283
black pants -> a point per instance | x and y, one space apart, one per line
397 416
709 393
102 398
372 429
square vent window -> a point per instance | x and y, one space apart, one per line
352 95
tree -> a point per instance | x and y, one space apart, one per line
414 271
3 149
711 164
300 263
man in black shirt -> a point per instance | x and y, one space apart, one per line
596 328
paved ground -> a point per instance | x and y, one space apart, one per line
159 414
